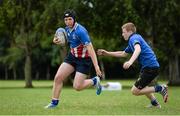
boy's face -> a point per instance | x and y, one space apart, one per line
69 21
126 34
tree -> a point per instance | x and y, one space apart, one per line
161 25
11 55
22 32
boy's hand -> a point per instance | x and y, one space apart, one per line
56 40
127 64
101 52
98 71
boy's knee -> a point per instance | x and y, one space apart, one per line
77 87
135 91
58 79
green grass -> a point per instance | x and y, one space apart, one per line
17 100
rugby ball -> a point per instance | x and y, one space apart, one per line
61 35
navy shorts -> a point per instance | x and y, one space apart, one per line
147 75
82 65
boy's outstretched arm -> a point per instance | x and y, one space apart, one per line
103 52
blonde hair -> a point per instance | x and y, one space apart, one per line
129 27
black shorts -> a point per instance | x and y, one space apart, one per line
147 75
82 65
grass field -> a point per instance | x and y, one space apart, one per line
17 100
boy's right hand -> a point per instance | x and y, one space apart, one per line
56 40
101 52
98 71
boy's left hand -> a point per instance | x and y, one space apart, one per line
127 64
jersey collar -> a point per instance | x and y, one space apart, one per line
75 26
131 35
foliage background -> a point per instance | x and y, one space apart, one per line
27 28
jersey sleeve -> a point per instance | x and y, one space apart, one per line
128 50
134 41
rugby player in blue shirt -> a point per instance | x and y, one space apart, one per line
147 59
79 60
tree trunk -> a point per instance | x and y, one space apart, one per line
174 78
37 75
48 73
14 72
6 73
102 69
27 70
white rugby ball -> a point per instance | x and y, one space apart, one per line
61 35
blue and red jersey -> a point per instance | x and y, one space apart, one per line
78 38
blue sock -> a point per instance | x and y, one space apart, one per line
154 102
55 102
158 88
94 81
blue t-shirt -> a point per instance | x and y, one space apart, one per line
146 58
